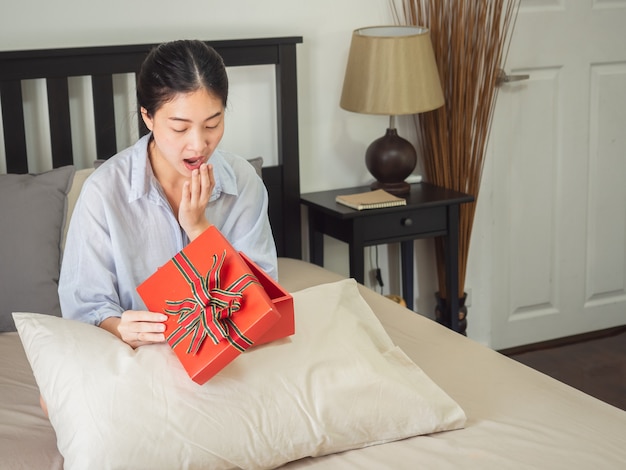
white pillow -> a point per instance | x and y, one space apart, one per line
339 383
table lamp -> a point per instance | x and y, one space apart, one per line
392 71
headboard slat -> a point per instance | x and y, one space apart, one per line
287 97
104 115
60 127
13 126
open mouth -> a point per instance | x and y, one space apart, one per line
193 163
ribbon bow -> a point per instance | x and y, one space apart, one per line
209 312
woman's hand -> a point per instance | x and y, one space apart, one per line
137 327
195 197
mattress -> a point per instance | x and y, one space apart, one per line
516 417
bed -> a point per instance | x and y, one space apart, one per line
500 414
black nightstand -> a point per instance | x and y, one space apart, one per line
431 211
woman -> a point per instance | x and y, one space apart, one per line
146 203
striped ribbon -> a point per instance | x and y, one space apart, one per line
209 312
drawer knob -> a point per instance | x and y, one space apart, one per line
407 222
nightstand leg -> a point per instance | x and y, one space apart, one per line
357 262
316 242
452 267
406 256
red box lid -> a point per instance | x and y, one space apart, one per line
183 287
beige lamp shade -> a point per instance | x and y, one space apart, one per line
391 70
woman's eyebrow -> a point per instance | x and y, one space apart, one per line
175 118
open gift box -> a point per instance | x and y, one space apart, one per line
218 302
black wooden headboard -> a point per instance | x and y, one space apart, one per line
101 63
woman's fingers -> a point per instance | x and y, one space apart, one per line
144 316
195 187
141 327
145 338
200 186
207 182
195 197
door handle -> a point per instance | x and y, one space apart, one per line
504 78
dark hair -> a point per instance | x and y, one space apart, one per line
180 67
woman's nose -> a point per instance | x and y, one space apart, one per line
198 140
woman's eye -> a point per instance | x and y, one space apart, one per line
179 131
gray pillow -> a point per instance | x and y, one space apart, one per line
257 163
32 214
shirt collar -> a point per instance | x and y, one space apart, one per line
140 170
143 183
225 181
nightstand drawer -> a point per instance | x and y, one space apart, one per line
403 224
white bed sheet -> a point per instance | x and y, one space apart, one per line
517 417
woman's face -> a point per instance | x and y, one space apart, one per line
186 130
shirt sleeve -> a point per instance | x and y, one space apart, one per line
87 283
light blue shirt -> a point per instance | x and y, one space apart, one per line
123 228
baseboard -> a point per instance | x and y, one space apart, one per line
557 342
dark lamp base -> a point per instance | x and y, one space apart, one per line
398 189
391 159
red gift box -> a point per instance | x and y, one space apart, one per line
216 307
282 300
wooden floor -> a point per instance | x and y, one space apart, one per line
595 366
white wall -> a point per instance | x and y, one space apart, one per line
332 141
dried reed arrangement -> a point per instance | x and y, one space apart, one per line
470 39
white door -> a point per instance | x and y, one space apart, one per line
558 163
